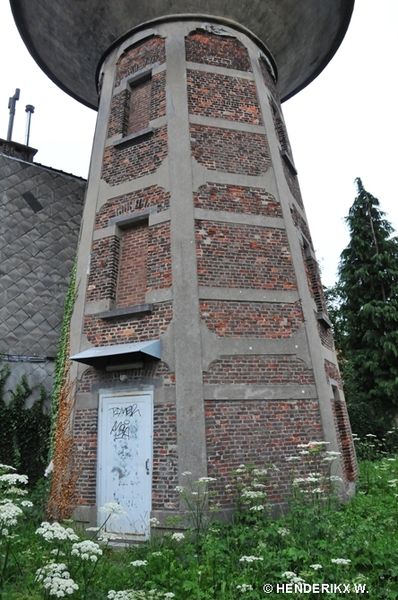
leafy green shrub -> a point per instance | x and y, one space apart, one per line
24 432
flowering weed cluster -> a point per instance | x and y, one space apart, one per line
354 543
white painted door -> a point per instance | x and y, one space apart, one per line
125 462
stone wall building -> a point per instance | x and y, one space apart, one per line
40 216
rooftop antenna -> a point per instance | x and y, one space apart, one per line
29 109
11 105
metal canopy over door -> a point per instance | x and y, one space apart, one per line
125 462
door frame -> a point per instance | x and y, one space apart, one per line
125 393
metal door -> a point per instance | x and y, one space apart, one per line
125 462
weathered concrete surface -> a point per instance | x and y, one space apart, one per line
67 39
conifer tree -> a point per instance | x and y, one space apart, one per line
368 319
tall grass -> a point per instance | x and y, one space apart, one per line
347 547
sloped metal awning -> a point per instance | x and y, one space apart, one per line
105 356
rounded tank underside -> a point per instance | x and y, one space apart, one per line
68 39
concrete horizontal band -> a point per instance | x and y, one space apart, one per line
226 124
204 68
246 391
239 295
239 218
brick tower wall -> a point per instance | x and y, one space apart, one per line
211 253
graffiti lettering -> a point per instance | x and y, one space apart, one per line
121 430
125 411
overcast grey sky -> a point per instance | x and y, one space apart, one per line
342 126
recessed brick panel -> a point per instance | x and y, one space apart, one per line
138 159
133 266
251 319
293 184
237 199
165 458
346 445
332 372
326 335
217 50
85 445
257 432
158 96
269 80
104 269
159 258
131 203
139 56
264 370
118 121
139 106
107 332
243 256
301 224
230 151
223 97
152 104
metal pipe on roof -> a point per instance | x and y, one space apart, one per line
11 105
30 110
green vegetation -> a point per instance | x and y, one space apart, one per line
318 542
363 306
24 431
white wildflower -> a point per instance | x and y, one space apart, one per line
340 561
289 574
113 508
298 480
252 494
250 559
258 508
154 522
292 458
55 531
283 531
316 567
371 435
13 479
245 587
178 537
56 580
139 563
15 491
260 472
180 489
206 479
86 550
9 513
297 580
26 503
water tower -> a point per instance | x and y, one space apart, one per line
199 338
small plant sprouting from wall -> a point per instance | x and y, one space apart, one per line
65 460
24 432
